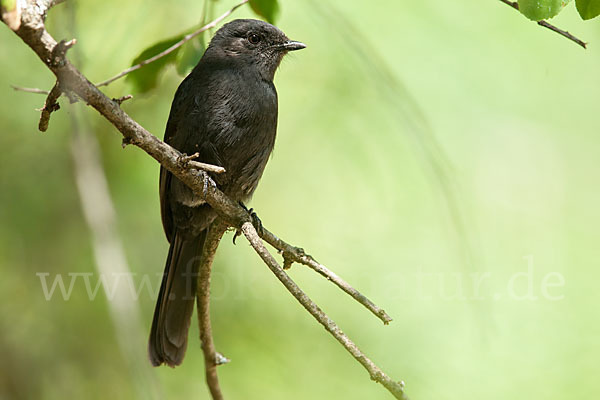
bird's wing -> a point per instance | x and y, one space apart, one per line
164 182
187 131
178 110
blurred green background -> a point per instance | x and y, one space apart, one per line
443 159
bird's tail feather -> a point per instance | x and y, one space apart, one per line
175 304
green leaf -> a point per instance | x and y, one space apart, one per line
146 78
268 9
190 54
538 10
588 9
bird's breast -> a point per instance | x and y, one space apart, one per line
242 125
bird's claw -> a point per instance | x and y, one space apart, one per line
237 233
256 222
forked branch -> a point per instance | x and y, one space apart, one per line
293 254
396 388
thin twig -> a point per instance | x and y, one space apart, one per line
211 358
29 90
548 25
177 45
188 161
49 107
395 388
206 167
122 99
295 254
566 34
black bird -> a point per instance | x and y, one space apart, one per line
225 110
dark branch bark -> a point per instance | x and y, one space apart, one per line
122 99
50 106
564 33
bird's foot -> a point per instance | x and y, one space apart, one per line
256 222
206 180
184 162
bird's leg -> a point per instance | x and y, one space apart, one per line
184 161
255 221
205 181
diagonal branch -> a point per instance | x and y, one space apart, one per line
396 388
212 359
293 254
561 32
548 25
177 45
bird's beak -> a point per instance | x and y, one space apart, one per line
291 45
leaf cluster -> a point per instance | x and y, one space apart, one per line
538 10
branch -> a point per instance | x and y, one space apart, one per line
548 25
396 388
188 161
122 99
57 57
293 254
49 107
563 33
32 31
177 45
29 90
212 359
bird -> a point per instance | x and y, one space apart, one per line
226 111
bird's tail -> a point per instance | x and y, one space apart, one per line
175 304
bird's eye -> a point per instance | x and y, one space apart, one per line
253 38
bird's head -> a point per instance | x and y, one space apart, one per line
252 43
